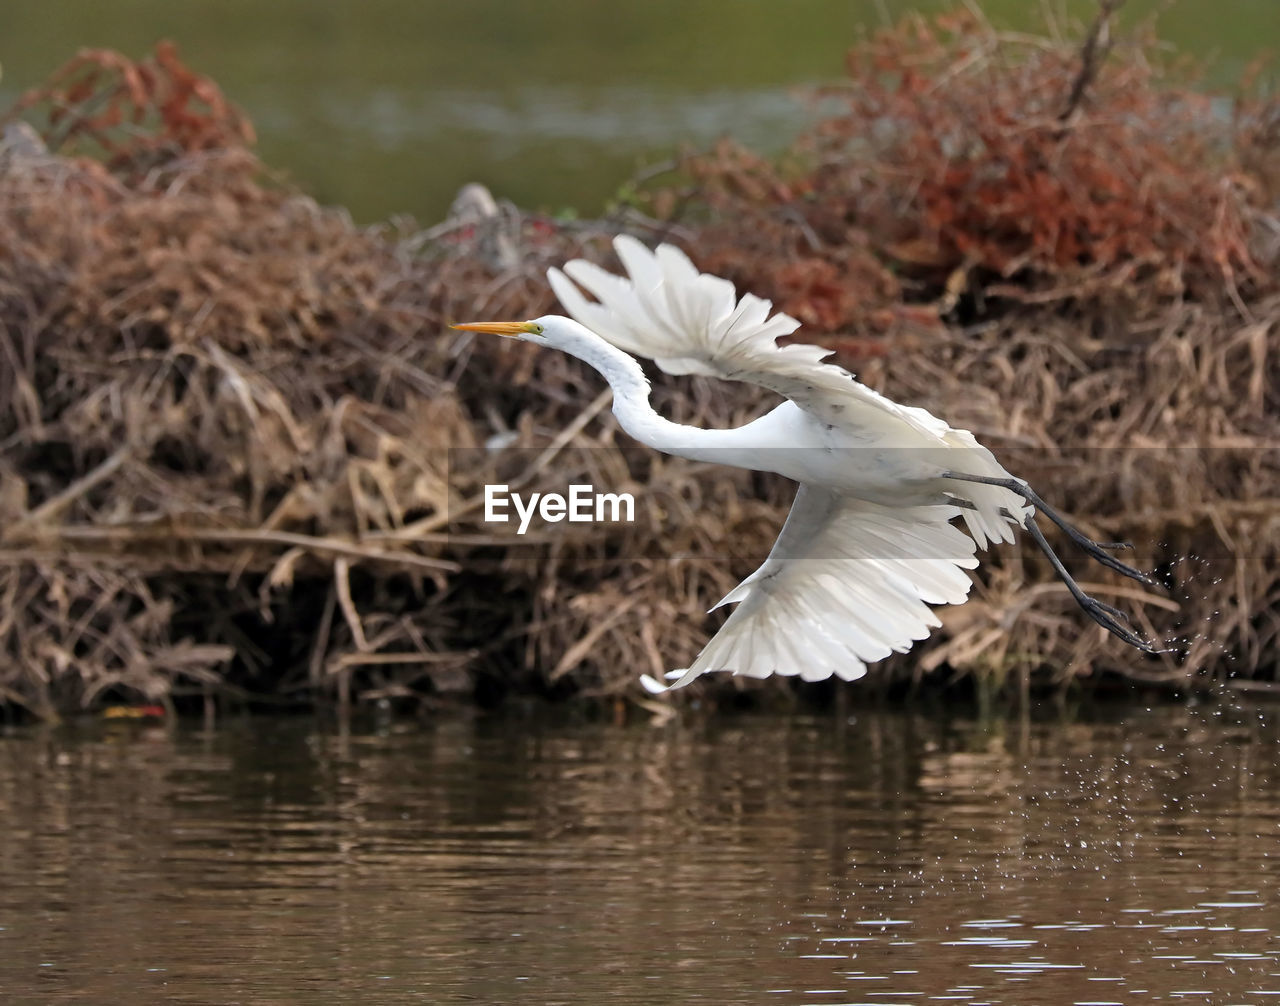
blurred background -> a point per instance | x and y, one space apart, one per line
390 106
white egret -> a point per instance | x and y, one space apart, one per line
870 541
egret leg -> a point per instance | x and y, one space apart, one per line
1097 549
1108 617
1101 612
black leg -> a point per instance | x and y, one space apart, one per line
1108 617
1099 550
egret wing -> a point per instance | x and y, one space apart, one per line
694 323
848 583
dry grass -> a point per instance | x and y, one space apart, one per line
240 451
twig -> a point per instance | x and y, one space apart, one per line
342 583
1092 54
70 494
583 646
242 536
374 659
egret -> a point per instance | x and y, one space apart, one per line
871 540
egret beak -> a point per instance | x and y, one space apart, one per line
507 329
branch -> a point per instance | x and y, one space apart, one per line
1092 54
55 504
130 535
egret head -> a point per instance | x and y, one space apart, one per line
551 330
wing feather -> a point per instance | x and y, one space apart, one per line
694 323
847 583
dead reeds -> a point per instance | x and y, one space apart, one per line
240 453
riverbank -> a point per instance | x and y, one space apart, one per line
242 458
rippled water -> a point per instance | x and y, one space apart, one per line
888 858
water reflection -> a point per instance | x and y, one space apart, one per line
890 858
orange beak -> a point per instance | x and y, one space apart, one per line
507 329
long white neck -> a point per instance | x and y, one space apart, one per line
631 403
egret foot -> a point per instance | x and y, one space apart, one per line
1108 617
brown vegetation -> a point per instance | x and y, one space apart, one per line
239 452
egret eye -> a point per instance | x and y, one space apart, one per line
535 328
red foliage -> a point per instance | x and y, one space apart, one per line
101 100
968 163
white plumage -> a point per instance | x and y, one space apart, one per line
848 583
869 543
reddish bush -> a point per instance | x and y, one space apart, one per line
102 101
970 165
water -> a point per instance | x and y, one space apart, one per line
390 106
890 858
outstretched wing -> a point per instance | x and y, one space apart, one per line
694 323
847 583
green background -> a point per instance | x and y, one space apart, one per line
389 106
